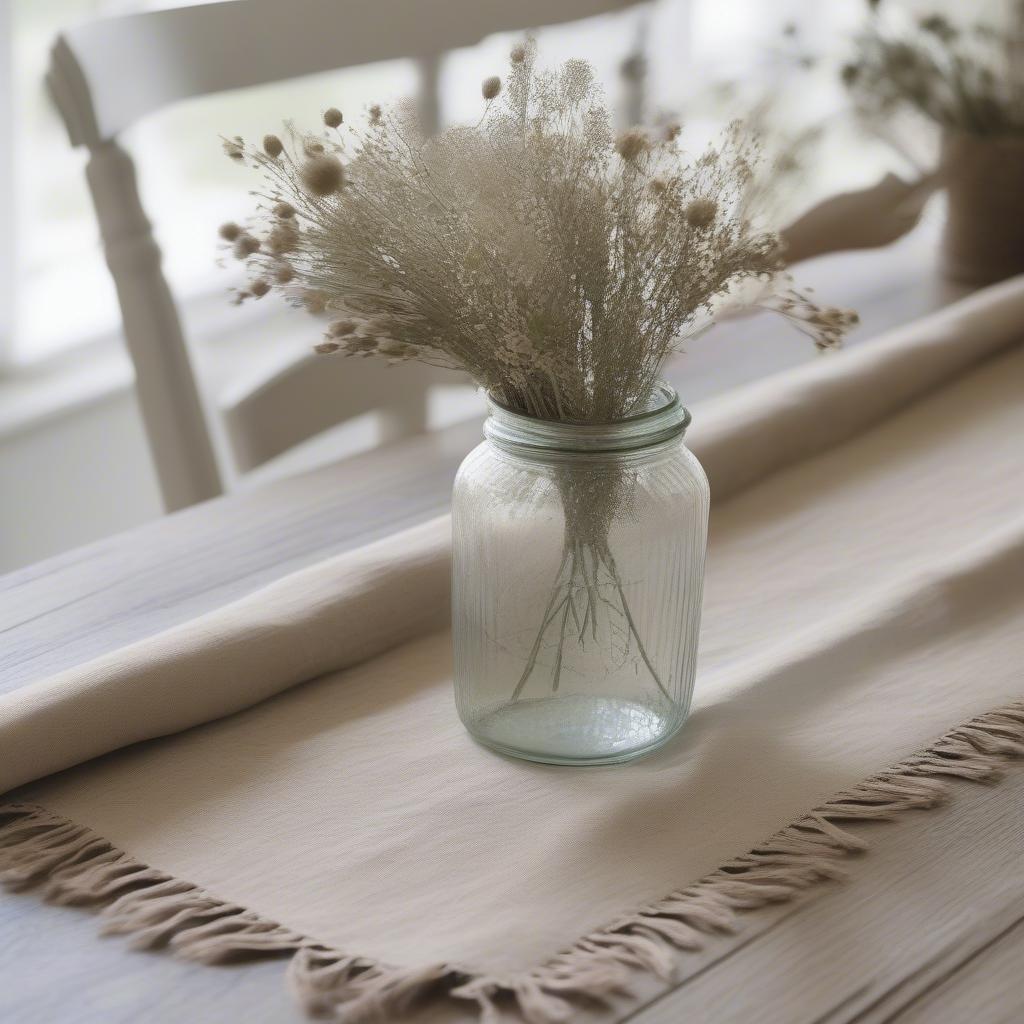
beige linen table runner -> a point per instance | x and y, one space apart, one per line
863 633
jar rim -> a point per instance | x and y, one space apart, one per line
664 418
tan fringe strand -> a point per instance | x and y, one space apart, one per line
75 866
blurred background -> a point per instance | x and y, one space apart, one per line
74 461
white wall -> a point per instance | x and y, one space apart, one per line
74 478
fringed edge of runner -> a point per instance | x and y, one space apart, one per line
76 866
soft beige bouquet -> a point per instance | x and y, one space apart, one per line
555 263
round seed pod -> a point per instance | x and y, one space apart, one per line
322 174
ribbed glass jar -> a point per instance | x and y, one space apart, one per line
578 571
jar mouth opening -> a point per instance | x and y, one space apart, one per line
662 418
662 397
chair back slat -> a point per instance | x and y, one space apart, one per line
136 64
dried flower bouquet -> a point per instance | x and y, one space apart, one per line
555 263
968 77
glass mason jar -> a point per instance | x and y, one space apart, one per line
578 570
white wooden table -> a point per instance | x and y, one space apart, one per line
930 928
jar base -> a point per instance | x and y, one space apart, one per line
574 730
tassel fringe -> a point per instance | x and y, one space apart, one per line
75 866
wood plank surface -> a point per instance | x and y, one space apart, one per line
923 929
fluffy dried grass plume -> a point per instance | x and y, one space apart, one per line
322 173
632 145
555 263
234 148
340 328
700 213
283 237
245 246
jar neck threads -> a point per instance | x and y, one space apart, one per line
663 419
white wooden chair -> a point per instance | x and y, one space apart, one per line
107 74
